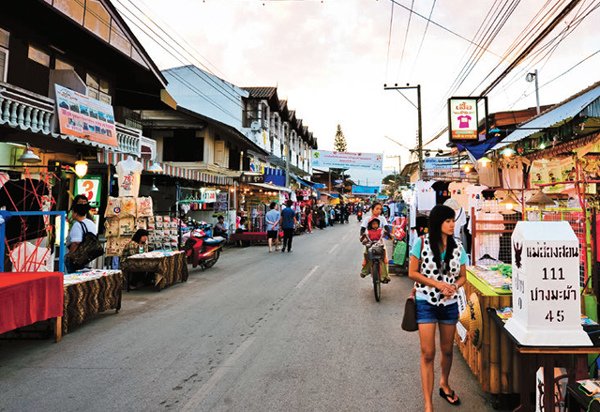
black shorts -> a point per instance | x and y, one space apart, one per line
271 234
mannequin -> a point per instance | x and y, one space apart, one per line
129 172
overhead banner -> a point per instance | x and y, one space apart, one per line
467 118
364 190
347 160
430 163
84 117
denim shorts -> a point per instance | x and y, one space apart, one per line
428 313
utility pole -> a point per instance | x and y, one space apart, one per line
419 118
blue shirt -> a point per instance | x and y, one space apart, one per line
287 218
272 219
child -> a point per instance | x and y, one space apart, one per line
374 233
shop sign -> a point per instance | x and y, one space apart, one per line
222 203
346 160
84 117
252 178
466 115
209 196
430 163
89 187
545 285
365 190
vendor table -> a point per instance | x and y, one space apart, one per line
531 358
27 298
88 293
493 363
168 267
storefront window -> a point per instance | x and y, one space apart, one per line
39 56
72 8
98 88
97 19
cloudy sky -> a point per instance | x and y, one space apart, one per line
330 58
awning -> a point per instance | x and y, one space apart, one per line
560 114
270 186
307 183
112 158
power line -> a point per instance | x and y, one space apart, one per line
423 37
441 26
412 5
387 62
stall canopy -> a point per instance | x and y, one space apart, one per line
559 114
307 183
270 186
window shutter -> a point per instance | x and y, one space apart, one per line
3 64
220 152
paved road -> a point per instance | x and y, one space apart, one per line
258 332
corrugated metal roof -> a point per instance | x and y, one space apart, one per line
557 115
261 92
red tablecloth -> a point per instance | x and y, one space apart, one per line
26 298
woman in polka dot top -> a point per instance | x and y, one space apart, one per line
437 265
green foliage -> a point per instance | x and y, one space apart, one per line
339 144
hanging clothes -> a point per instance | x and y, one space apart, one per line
489 174
441 192
425 195
129 172
475 195
458 192
488 243
512 172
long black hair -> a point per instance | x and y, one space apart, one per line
438 215
137 236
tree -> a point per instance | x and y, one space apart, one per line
339 144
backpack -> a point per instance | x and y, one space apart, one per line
89 249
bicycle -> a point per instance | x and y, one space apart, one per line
376 253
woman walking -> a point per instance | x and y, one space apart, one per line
437 265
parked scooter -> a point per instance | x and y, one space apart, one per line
201 249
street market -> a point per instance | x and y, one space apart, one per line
298 257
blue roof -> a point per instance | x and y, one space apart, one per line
206 94
557 115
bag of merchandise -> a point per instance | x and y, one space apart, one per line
113 207
144 206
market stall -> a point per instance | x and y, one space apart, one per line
168 267
27 298
89 293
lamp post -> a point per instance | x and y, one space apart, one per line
533 77
419 119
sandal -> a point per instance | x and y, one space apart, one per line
450 397
386 280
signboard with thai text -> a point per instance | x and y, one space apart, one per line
545 285
84 117
252 178
346 160
430 163
467 119
364 190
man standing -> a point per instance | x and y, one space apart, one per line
272 219
288 223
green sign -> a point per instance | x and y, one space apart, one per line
90 187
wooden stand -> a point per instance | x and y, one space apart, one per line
58 329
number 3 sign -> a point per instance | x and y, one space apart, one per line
90 188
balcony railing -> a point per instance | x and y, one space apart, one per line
26 110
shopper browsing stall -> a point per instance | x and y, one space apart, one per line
272 220
437 265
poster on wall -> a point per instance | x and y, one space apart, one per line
90 187
467 117
84 117
346 160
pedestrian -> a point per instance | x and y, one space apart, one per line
81 225
221 227
288 222
309 219
272 219
437 265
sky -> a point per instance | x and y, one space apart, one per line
330 59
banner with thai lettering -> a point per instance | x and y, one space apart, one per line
84 117
430 163
346 160
462 113
364 190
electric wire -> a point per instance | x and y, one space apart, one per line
387 63
412 5
422 38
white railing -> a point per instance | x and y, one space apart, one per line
25 109
151 143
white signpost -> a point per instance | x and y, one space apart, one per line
545 285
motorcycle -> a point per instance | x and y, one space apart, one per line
359 215
201 249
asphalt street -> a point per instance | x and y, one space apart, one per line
296 331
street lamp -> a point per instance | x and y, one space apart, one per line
534 77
